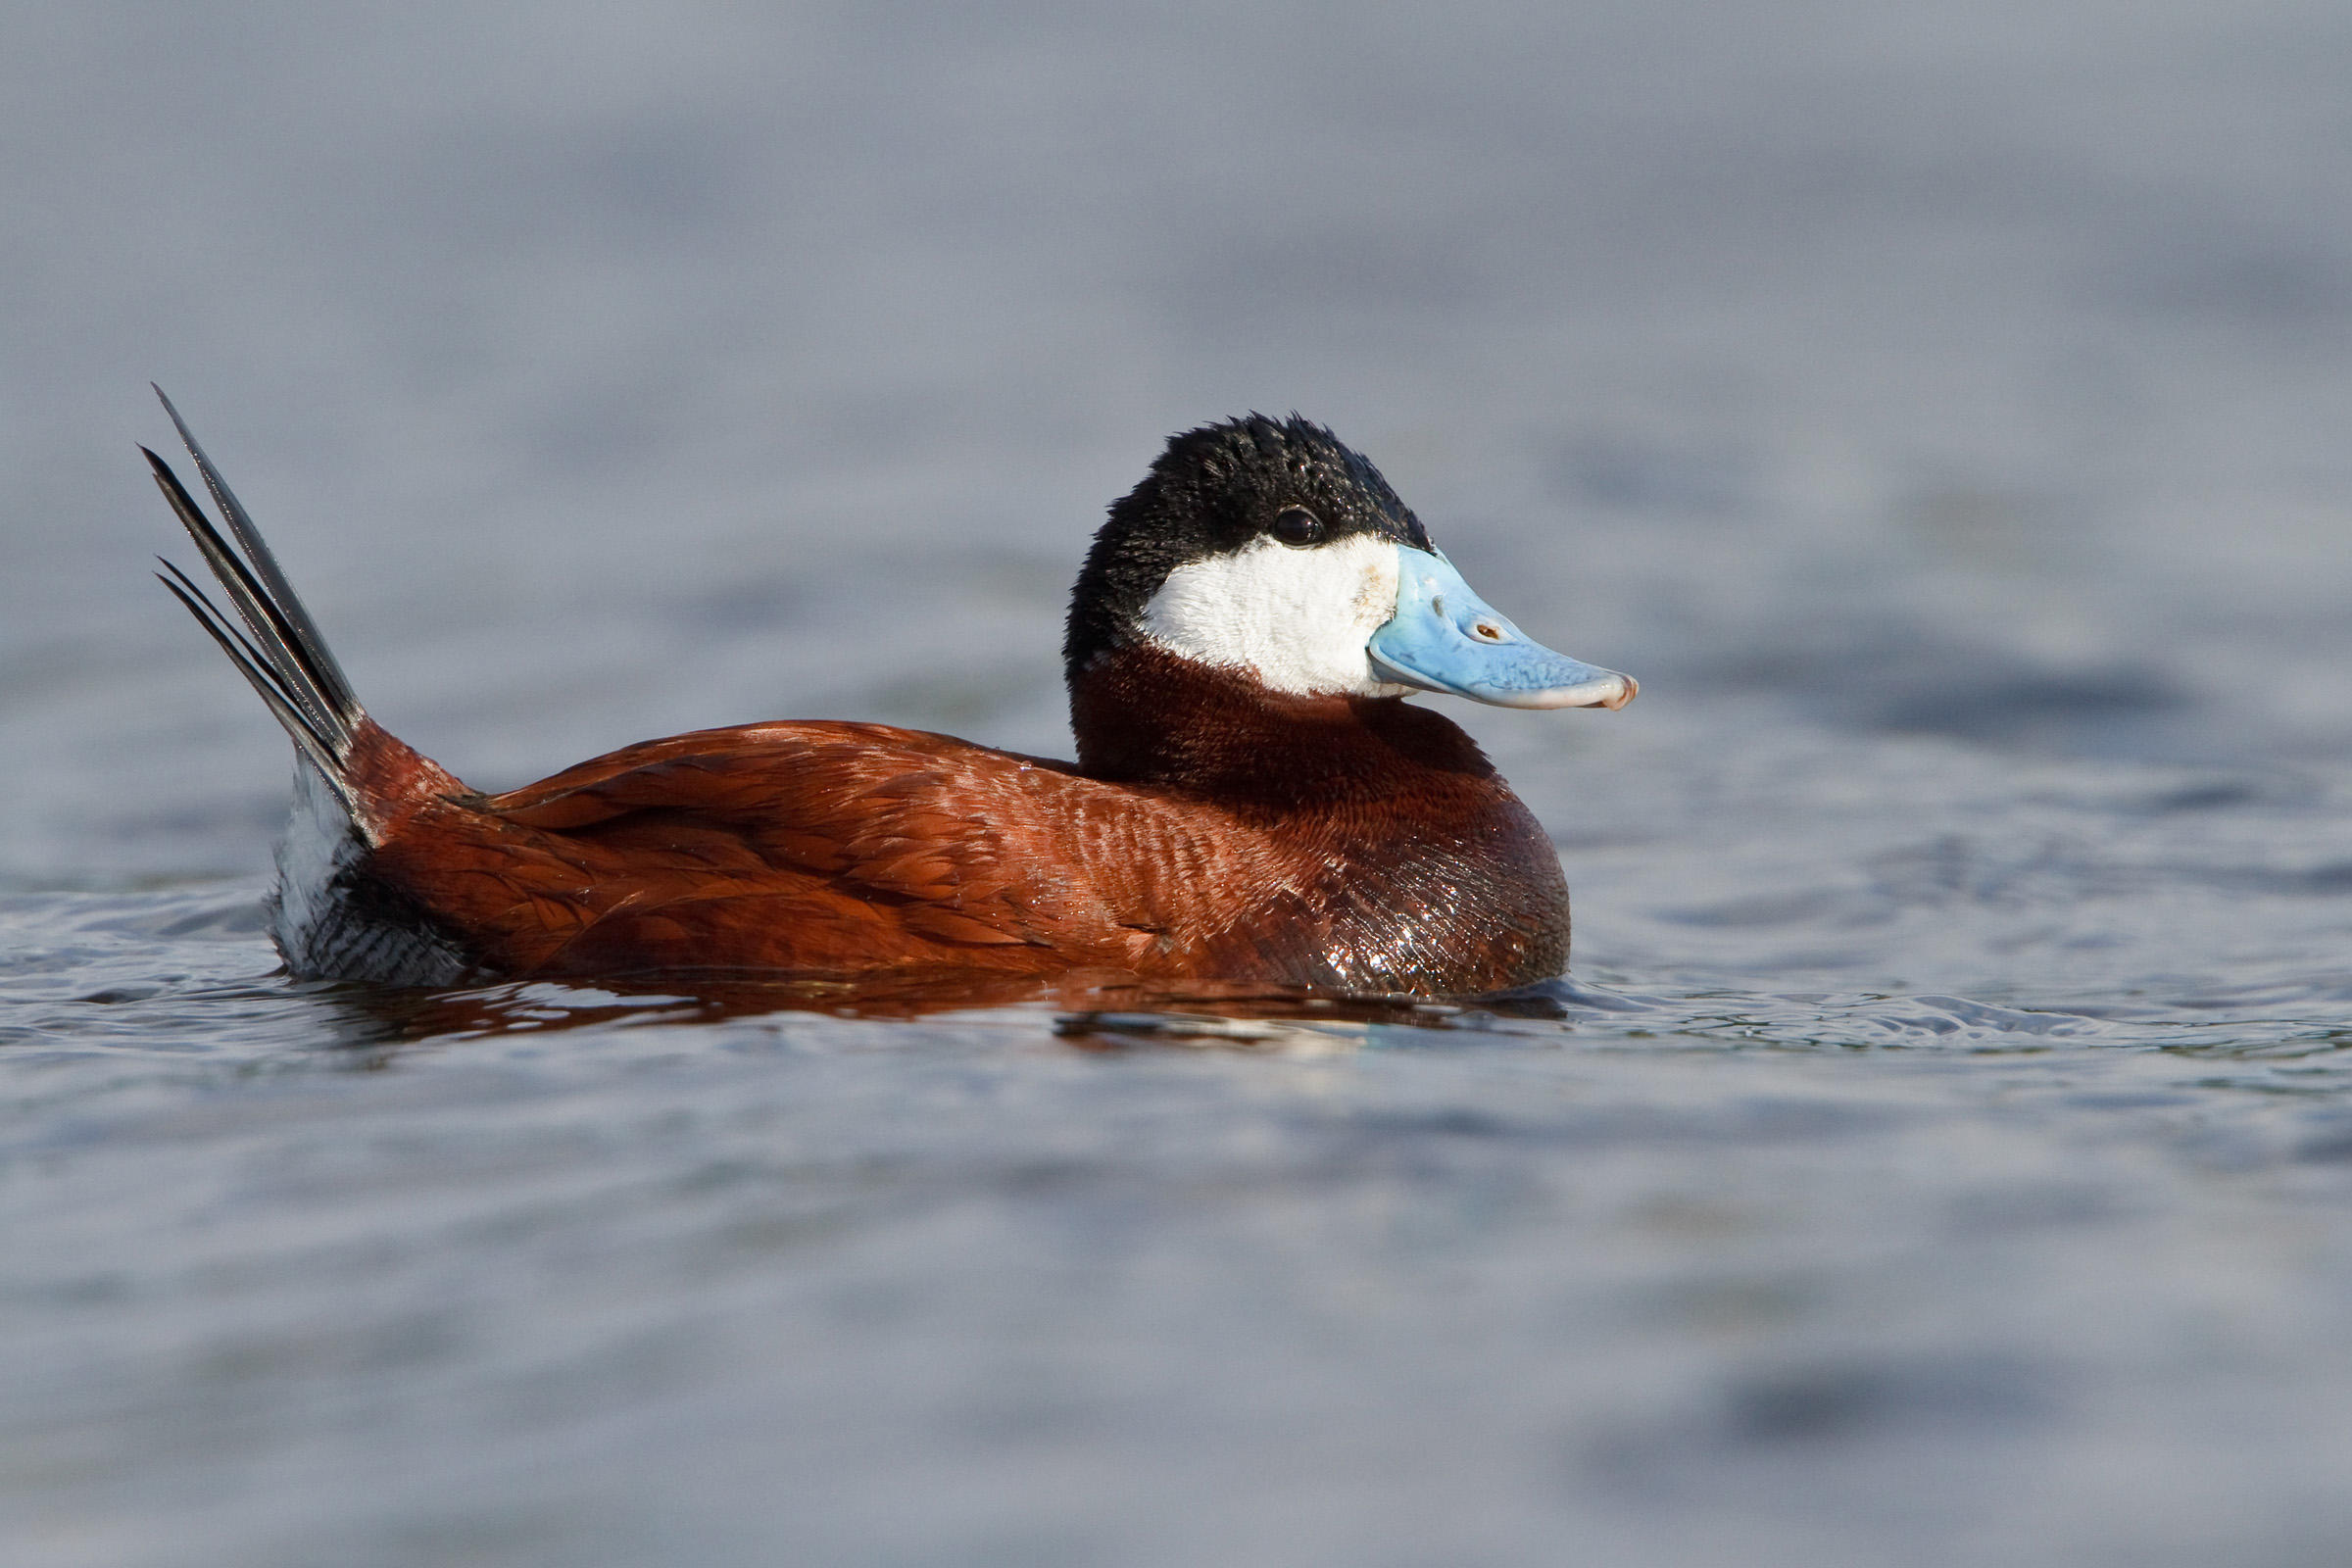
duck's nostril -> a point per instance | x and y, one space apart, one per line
1486 631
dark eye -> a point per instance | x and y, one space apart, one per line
1296 525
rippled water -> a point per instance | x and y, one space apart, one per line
1940 1154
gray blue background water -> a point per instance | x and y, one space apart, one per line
1944 1151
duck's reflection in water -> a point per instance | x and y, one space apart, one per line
1090 1010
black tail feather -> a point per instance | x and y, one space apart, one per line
277 649
280 651
305 632
250 663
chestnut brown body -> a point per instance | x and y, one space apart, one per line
1210 829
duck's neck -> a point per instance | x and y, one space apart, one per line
1141 715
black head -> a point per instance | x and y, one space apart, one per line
1213 491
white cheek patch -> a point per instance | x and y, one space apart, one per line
1299 619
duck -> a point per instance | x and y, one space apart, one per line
1256 799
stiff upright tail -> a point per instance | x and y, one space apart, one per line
279 650
331 917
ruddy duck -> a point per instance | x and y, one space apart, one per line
1254 800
